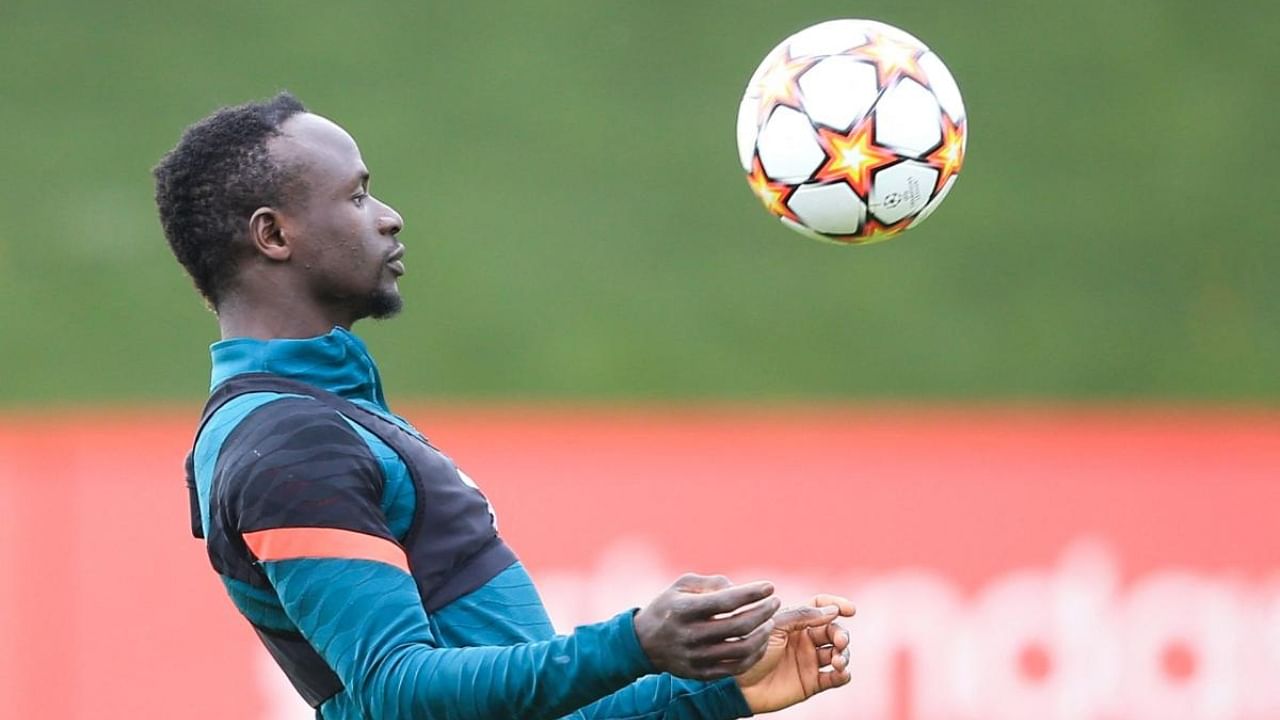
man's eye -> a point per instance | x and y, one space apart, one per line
359 199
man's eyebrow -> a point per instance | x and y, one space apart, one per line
363 178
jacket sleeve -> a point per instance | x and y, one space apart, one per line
365 619
303 495
665 697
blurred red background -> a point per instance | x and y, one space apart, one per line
1139 550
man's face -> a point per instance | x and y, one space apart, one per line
343 239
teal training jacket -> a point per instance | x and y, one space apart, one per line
491 653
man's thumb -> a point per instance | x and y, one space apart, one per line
802 616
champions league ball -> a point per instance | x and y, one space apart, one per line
851 131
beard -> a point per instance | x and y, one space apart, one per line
384 304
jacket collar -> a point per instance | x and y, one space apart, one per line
337 361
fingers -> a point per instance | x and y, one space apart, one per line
833 679
741 666
707 604
705 627
835 670
839 636
740 650
840 661
734 666
833 636
732 657
834 656
740 624
750 631
823 599
799 617
820 611
730 645
825 655
830 634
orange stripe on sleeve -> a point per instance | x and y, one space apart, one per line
309 542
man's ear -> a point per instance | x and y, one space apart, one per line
267 235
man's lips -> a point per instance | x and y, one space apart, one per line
394 260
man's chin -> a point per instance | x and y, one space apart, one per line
383 305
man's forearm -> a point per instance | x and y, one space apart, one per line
366 619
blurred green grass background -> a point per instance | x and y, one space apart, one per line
578 226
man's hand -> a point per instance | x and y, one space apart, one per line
808 652
706 627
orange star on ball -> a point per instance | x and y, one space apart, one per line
874 230
853 157
893 59
779 85
949 156
773 194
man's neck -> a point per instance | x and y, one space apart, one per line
237 319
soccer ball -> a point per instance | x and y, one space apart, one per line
851 131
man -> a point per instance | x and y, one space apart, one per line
369 564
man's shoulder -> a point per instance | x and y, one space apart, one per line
233 412
281 423
271 431
289 457
278 461
250 414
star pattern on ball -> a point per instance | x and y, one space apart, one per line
873 230
853 157
779 84
773 194
950 154
893 59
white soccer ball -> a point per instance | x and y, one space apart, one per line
851 131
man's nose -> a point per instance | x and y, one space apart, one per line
390 222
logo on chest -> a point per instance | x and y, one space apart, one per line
466 480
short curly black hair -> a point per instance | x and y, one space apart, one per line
209 185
